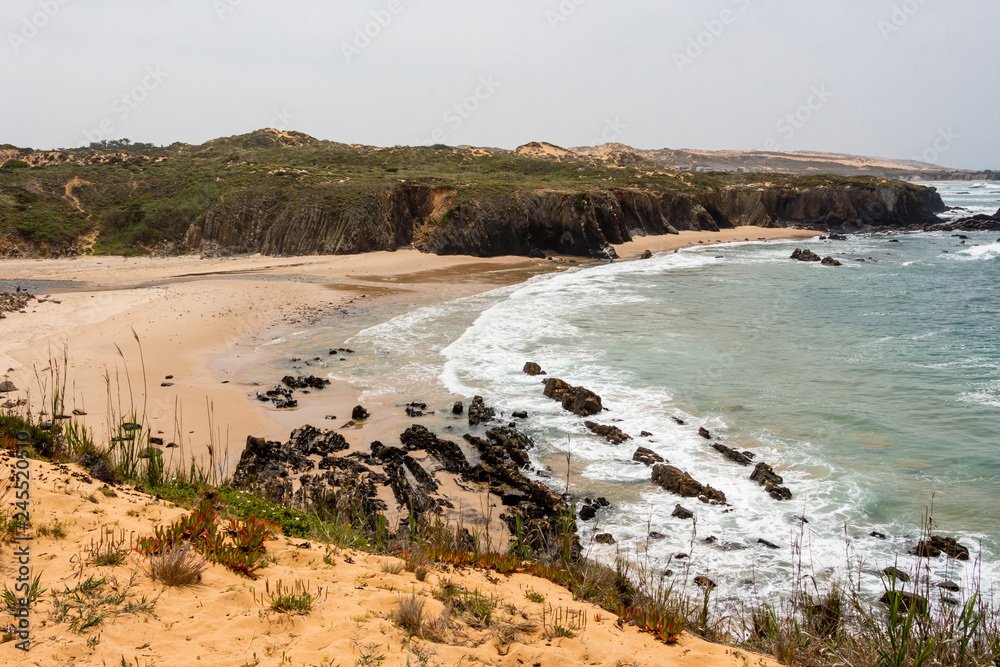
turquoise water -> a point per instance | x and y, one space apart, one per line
873 388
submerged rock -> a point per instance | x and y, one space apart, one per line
764 475
531 368
743 458
647 456
801 255
578 400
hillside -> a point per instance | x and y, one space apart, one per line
280 193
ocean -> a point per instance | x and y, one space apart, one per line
872 388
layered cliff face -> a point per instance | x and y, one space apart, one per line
444 220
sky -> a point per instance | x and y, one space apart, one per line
905 79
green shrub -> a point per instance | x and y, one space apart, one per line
15 164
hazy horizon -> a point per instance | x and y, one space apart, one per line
903 79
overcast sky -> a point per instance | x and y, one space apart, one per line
895 78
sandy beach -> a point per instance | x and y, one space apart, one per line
170 340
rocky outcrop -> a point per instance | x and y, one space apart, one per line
612 434
764 475
938 545
577 400
801 255
977 223
647 457
479 413
682 484
531 368
743 458
417 438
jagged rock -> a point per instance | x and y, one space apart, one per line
937 545
830 261
837 237
904 602
704 582
764 475
705 433
531 368
479 413
515 444
678 421
587 512
415 409
309 382
612 434
519 415
648 254
682 513
448 453
458 408
805 255
605 538
653 535
769 545
578 400
897 574
682 484
7 386
743 458
359 414
647 456
878 536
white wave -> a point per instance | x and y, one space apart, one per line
990 251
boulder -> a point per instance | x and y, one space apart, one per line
904 602
479 413
764 475
705 433
837 237
448 453
894 573
805 256
682 513
937 545
830 261
604 538
359 414
458 408
682 484
612 434
578 400
7 386
647 456
647 254
531 368
743 458
704 582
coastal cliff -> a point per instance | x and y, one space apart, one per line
438 220
285 193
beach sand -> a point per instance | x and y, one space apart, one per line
124 325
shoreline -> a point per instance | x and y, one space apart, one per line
127 324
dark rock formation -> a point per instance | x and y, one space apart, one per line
682 484
977 223
281 397
605 538
764 475
589 508
704 582
577 400
769 545
7 386
743 458
479 413
359 414
450 455
647 457
897 574
830 261
612 434
458 408
801 255
647 254
904 602
705 433
309 382
682 513
531 368
938 545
